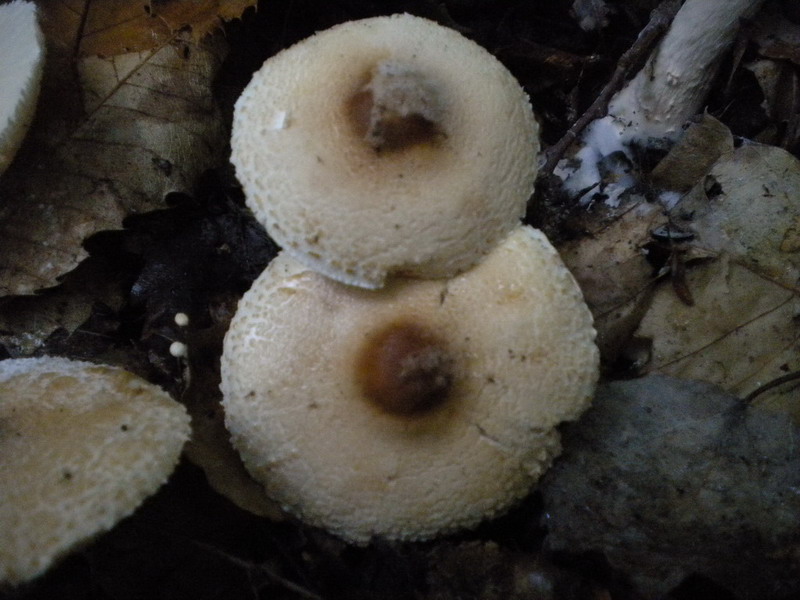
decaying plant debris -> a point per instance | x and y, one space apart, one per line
121 211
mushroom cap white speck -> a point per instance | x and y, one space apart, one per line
21 58
355 214
81 446
524 359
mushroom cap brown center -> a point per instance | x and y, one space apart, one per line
404 369
396 109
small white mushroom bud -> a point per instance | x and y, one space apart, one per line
178 349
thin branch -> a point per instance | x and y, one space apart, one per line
660 20
262 569
772 384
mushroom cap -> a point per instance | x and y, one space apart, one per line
522 358
429 208
81 446
21 58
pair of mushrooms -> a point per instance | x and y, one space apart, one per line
400 368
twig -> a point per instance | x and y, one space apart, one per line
252 568
262 569
772 384
660 20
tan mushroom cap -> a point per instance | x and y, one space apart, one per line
386 145
81 446
496 358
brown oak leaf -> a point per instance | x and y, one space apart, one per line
113 133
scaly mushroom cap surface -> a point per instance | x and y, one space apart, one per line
386 145
414 410
21 58
81 446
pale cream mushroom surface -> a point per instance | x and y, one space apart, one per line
389 145
414 410
21 59
81 446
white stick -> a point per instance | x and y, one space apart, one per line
674 83
21 56
653 107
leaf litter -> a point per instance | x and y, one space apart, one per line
113 167
743 329
672 477
114 134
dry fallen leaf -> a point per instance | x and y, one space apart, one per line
119 26
747 206
613 272
26 322
612 263
743 330
130 129
775 35
694 154
780 84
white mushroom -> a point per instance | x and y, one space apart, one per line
21 58
387 145
414 410
81 446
